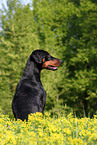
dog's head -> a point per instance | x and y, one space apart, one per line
45 60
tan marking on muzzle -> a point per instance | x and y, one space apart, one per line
54 63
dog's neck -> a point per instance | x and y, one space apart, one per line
32 70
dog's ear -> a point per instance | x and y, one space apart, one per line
36 57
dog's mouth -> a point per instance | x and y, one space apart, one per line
52 64
52 67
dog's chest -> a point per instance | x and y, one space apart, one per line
42 91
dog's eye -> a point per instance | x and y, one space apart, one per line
48 58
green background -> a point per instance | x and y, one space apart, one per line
67 29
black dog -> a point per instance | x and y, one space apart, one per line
30 96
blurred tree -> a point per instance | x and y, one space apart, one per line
67 30
18 40
82 57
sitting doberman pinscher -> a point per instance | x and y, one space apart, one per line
30 96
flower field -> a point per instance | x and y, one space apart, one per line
44 130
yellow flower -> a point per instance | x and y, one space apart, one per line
45 130
67 131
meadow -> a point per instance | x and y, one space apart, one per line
44 130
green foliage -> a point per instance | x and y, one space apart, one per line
67 30
18 40
83 58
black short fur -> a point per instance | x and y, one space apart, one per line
30 96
